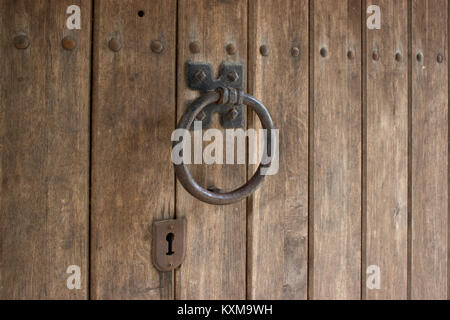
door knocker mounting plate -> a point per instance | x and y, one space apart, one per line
200 76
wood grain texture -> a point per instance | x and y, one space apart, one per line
278 212
44 151
215 265
133 118
386 158
429 211
335 246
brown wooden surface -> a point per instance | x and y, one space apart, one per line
133 117
363 176
335 176
278 212
44 151
386 152
215 262
429 180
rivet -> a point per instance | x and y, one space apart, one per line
201 116
200 76
419 56
21 41
115 44
232 114
264 50
375 56
295 51
351 55
156 46
194 47
170 264
233 76
323 52
231 49
440 58
68 43
398 57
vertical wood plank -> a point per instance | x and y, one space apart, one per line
44 151
335 246
133 118
429 220
215 265
386 159
278 212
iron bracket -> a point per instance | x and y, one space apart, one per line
200 77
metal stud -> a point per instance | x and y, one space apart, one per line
201 116
264 50
351 55
233 76
194 47
157 46
323 52
200 75
115 44
419 57
375 56
231 49
440 58
68 43
21 41
398 57
295 51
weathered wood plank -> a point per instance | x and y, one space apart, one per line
133 118
44 151
278 212
386 156
335 246
215 265
429 189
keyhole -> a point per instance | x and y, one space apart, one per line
169 239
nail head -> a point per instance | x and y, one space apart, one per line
233 76
21 41
231 49
68 43
351 55
194 47
295 52
440 58
201 116
323 52
419 56
115 44
264 50
200 75
156 46
375 56
398 57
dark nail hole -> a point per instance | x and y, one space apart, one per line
419 57
141 13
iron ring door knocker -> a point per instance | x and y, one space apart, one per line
225 96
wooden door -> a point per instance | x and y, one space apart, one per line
358 208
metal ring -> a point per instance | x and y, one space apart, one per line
221 96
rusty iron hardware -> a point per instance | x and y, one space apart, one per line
223 97
168 247
200 77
